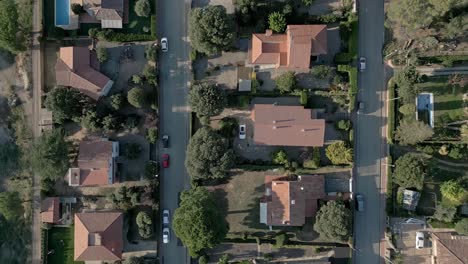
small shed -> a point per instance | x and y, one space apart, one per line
410 199
244 79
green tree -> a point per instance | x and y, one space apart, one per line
151 169
464 133
408 109
206 99
279 157
66 104
117 101
208 155
406 80
245 10
143 8
203 260
198 221
101 54
91 121
462 227
411 14
145 225
339 153
344 125
286 81
137 79
411 131
307 2
77 8
137 97
111 123
151 53
277 22
210 29
322 72
49 155
9 154
333 222
152 135
150 74
410 170
281 240
9 26
453 192
444 213
10 205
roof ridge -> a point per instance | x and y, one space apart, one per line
448 248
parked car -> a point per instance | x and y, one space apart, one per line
361 108
242 132
359 202
166 235
419 240
165 161
165 217
164 45
165 141
362 64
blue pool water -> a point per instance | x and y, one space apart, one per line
62 12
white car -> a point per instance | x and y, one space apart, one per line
242 132
166 235
362 64
164 45
419 240
165 217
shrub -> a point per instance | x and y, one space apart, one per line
143 8
77 8
203 260
304 97
152 135
117 101
462 227
137 97
281 240
312 161
353 88
151 53
322 71
101 54
339 153
455 153
145 225
279 157
453 192
153 27
277 22
344 125
445 213
286 81
151 169
351 135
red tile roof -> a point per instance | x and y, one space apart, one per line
280 125
74 69
291 200
98 236
50 210
449 248
291 50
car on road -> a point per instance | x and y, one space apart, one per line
164 45
165 161
361 108
359 202
242 132
362 64
166 235
165 217
419 240
165 141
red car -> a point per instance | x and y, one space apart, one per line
165 161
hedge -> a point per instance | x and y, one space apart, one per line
343 58
303 98
44 250
389 194
353 86
153 26
112 36
444 58
391 111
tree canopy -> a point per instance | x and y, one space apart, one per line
145 224
286 81
453 192
198 221
462 227
339 153
67 104
245 10
9 155
143 8
210 29
10 205
406 80
411 131
277 22
410 170
333 221
444 213
9 26
208 155
49 156
206 99
137 97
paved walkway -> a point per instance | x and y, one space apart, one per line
434 71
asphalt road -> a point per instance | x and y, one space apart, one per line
368 228
174 77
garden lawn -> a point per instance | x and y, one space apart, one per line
448 99
61 241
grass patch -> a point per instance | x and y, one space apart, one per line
439 224
60 239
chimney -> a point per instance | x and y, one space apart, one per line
293 201
274 121
302 188
268 32
274 127
303 130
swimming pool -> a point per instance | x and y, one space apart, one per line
62 12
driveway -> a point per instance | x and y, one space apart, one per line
406 241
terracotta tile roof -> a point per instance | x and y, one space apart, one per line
73 69
50 210
291 200
449 248
289 50
98 236
280 125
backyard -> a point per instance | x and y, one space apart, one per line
448 100
60 240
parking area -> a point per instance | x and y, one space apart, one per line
405 230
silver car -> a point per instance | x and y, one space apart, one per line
164 45
362 64
242 132
165 217
359 202
166 235
361 108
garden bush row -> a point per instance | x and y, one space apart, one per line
353 87
112 36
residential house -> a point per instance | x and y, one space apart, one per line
410 199
96 163
98 236
292 50
449 248
281 125
50 210
78 67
